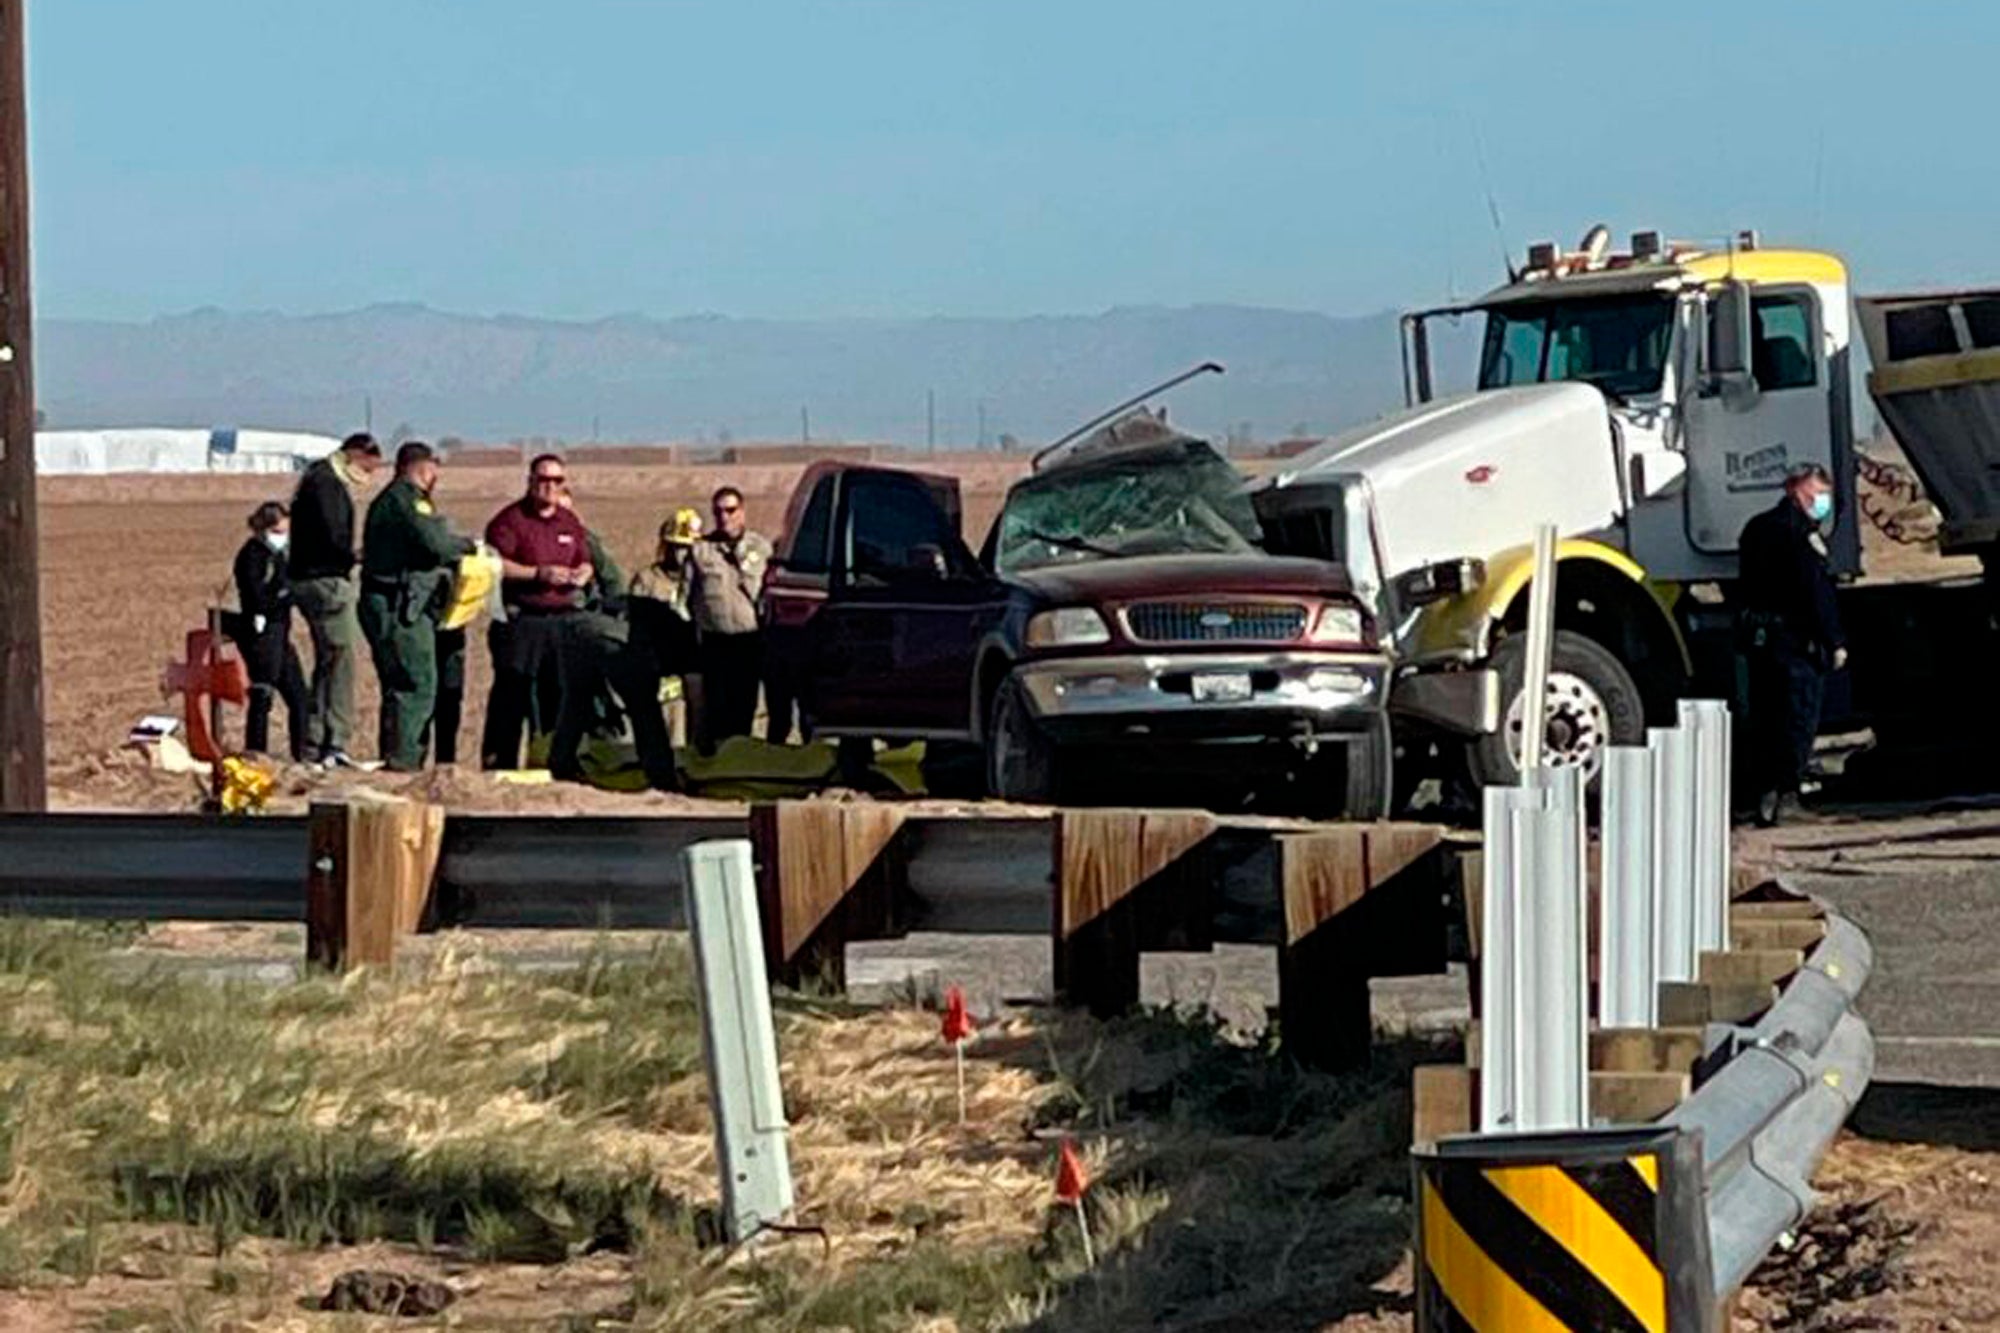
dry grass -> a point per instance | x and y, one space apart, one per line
489 1121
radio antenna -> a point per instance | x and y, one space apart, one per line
1493 203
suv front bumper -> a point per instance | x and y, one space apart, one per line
1288 692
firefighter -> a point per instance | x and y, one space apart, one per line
408 560
1790 626
661 616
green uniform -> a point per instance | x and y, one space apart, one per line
409 557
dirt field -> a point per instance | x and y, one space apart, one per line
129 564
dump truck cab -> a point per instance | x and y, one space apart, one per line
1648 403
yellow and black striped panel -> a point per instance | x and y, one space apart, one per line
1528 1238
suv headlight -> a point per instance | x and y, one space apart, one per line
1067 627
1336 623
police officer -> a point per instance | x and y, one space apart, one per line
729 568
409 557
1791 632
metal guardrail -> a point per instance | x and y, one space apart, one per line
739 1044
1654 1226
1770 1112
1536 1020
1512 1214
149 867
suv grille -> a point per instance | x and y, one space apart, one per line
1216 622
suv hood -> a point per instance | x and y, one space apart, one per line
1138 577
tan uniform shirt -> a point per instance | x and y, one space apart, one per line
728 578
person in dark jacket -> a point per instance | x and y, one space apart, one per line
410 558
1790 627
321 561
263 631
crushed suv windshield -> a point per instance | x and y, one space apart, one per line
1188 502
1619 344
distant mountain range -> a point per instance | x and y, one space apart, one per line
713 378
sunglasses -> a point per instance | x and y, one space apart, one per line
543 479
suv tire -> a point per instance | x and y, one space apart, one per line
1369 779
1020 759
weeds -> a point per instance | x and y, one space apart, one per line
433 1108
502 1115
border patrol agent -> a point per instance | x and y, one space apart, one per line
407 564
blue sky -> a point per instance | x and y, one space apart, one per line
589 157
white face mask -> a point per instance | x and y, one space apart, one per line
277 541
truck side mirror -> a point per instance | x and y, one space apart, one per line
1729 335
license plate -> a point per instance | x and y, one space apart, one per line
1221 687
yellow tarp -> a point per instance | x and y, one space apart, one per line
476 589
742 768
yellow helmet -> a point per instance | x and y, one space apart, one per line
683 529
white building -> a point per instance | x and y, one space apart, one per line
98 452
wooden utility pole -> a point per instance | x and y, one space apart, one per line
23 771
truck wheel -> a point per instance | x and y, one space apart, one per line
1593 702
1020 761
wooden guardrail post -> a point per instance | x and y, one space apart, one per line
1339 932
370 866
1126 881
828 873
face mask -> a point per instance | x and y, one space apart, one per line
1822 507
277 541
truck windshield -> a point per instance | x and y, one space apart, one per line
1619 344
1189 504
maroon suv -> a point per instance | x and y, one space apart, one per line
1120 613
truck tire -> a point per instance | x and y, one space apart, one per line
1594 702
1020 760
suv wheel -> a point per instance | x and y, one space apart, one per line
1370 777
1353 778
1020 761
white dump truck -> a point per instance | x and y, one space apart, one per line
1648 402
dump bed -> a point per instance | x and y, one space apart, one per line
1936 381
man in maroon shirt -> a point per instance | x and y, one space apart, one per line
545 557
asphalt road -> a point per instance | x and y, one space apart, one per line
1926 891
1237 982
1924 886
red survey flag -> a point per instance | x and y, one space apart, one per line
957 1024
1071 1179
